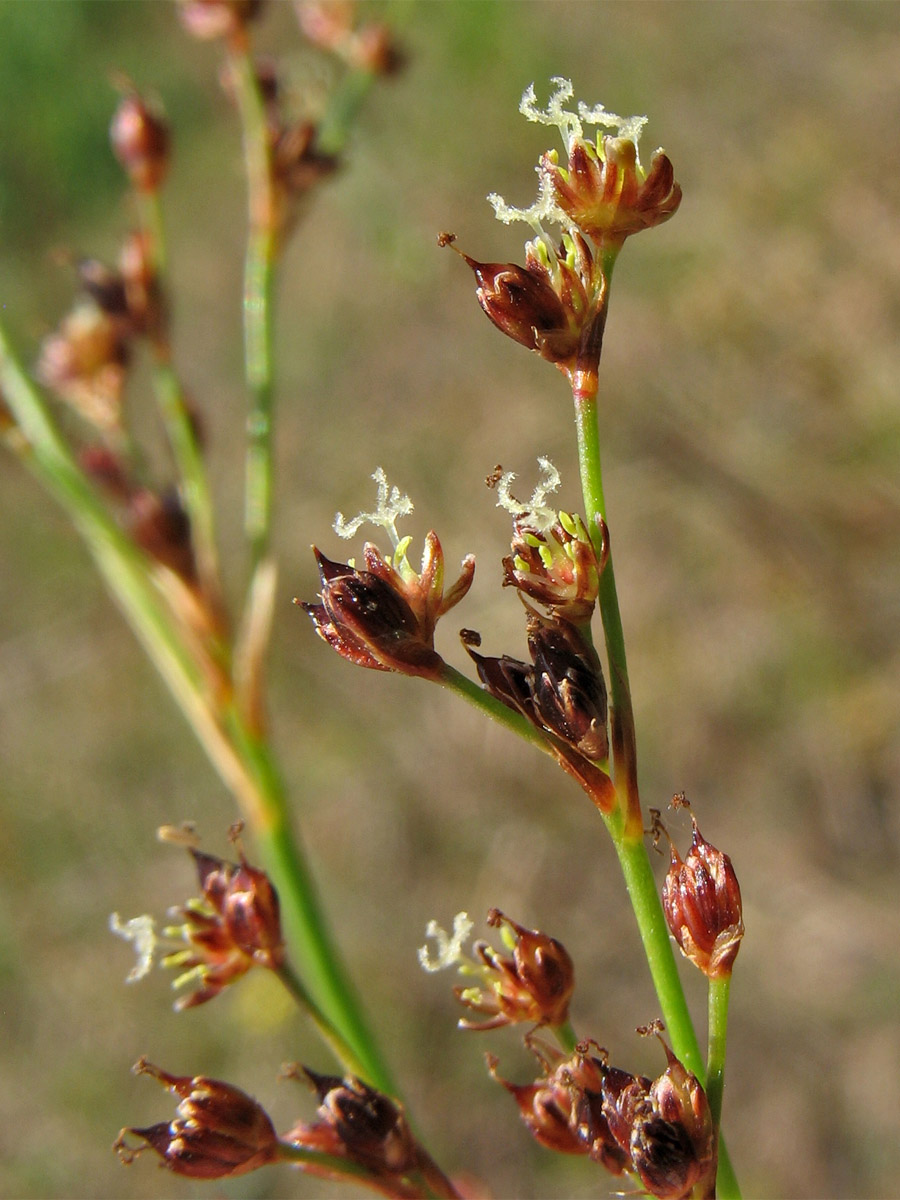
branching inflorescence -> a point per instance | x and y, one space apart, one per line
156 546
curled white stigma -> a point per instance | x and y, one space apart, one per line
571 126
540 515
449 946
389 506
141 932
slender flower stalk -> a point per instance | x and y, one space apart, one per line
717 1037
259 285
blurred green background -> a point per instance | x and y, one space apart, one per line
751 381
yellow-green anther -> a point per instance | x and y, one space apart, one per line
570 524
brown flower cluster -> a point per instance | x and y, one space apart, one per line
220 1132
660 1130
561 691
556 303
531 985
384 615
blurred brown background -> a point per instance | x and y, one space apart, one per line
751 382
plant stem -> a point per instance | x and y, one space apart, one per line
717 1039
626 824
259 283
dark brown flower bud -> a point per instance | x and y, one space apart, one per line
533 985
522 303
333 26
545 1107
563 1110
368 622
664 1126
625 1097
358 1123
702 901
140 141
104 286
561 696
234 927
569 690
384 617
219 1131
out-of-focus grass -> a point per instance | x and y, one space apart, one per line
752 428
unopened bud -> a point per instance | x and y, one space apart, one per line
218 18
569 690
219 1131
702 901
358 1123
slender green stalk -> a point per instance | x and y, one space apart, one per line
304 921
651 920
342 1051
626 825
259 283
717 1041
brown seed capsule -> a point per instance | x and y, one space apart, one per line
569 690
563 1110
702 901
219 1132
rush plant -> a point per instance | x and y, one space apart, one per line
156 545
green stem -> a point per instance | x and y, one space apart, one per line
626 823
259 284
644 896
304 922
717 1039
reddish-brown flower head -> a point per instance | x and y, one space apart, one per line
702 901
533 984
557 567
219 1131
563 1109
234 927
664 1126
358 1123
602 191
384 616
